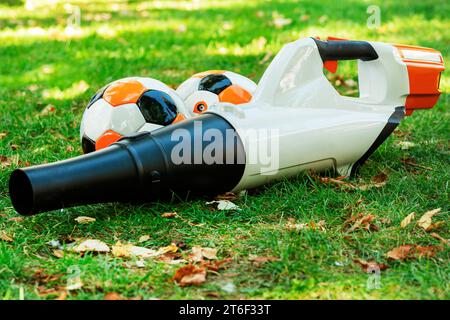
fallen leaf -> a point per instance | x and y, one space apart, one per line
113 296
120 250
3 134
224 205
435 225
400 253
362 221
425 222
91 245
58 253
62 295
427 251
190 275
215 265
5 237
144 238
172 248
6 162
437 236
406 145
260 260
198 253
84 220
69 149
380 178
140 263
16 219
410 251
370 265
319 226
169 215
408 219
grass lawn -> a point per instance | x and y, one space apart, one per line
42 64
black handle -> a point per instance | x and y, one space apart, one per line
345 50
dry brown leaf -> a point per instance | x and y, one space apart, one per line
400 253
215 265
120 250
425 221
408 219
370 265
62 295
435 225
437 236
169 215
198 253
411 251
5 237
91 245
427 251
380 178
113 296
362 221
6 162
190 275
209 253
144 238
84 219
16 219
260 260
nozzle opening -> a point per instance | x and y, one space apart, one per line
21 192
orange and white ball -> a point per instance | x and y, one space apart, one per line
210 87
127 106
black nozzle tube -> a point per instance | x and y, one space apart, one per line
139 167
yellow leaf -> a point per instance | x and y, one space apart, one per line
410 217
84 220
91 245
425 221
144 238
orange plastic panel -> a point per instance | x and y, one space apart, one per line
424 67
178 118
235 94
123 92
108 138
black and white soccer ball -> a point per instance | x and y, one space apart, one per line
127 106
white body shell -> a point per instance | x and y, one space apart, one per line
313 125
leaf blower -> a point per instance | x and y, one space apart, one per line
295 121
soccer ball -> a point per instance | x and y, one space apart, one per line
207 88
127 106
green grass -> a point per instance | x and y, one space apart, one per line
41 65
